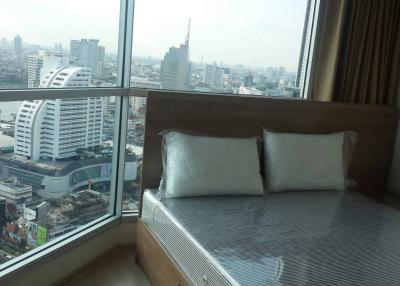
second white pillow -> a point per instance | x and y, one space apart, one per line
303 161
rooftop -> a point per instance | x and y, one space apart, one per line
56 168
13 183
6 141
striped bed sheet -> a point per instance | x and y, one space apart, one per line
290 238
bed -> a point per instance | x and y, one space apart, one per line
298 238
292 238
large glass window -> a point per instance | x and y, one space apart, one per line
258 48
39 36
55 169
59 156
252 48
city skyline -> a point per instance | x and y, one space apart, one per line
75 24
66 49
272 81
55 161
232 34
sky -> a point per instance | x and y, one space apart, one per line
252 33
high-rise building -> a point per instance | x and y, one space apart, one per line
3 216
55 129
85 53
248 80
281 71
3 42
18 45
108 118
35 65
175 70
101 57
208 75
39 65
74 49
58 47
213 76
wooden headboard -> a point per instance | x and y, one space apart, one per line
239 116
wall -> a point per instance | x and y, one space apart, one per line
59 265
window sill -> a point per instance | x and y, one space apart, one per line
130 216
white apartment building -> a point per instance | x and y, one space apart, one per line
55 129
213 76
35 65
85 53
140 82
39 65
249 91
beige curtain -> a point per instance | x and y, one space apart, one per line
359 61
326 49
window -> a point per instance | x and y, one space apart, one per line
239 47
260 49
60 39
58 183
61 166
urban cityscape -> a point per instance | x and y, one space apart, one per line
56 155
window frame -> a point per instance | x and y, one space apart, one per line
315 14
120 93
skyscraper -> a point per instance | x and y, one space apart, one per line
213 76
18 45
39 65
175 70
85 52
56 129
35 65
58 47
108 118
101 56
248 80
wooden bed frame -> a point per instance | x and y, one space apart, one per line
239 116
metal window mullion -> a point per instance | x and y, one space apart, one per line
32 94
138 92
309 75
122 103
121 155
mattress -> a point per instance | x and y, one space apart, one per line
291 238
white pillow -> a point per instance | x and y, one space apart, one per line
303 161
199 166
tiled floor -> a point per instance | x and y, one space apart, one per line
117 268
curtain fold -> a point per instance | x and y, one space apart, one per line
326 49
367 65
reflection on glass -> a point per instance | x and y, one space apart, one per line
55 166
